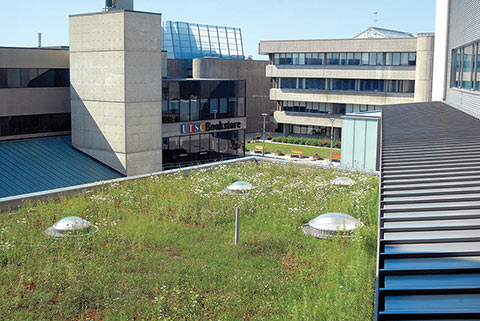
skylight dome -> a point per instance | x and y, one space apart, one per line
71 226
343 181
329 224
240 187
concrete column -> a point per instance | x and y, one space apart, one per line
424 69
116 89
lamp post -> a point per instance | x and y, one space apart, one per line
264 117
331 141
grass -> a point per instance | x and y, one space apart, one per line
287 149
164 250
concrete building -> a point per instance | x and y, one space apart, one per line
34 92
316 80
116 89
428 260
457 57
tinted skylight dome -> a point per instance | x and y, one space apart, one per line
71 225
328 225
343 181
240 186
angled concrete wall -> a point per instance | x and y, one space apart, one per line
116 82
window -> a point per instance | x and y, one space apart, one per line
288 83
456 68
288 59
321 59
308 59
13 78
184 110
356 60
350 58
388 59
380 58
412 59
364 58
34 124
477 67
396 59
213 106
301 59
404 59
372 59
329 59
314 59
194 110
467 67
343 58
276 59
335 58
295 59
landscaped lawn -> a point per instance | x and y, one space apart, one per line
287 149
164 250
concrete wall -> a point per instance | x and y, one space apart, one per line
115 67
440 52
305 119
257 86
336 97
34 101
339 45
33 58
463 28
424 69
342 72
179 68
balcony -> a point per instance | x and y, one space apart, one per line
341 97
341 71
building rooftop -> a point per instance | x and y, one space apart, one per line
374 32
429 263
40 164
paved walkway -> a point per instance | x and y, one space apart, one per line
325 162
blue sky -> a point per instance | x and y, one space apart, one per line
259 20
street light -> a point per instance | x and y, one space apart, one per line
264 117
331 141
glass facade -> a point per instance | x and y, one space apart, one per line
364 85
34 124
185 150
183 40
346 58
192 100
34 77
464 67
192 104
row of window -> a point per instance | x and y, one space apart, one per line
371 85
34 124
182 110
465 67
347 58
34 77
325 108
202 100
312 130
220 145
